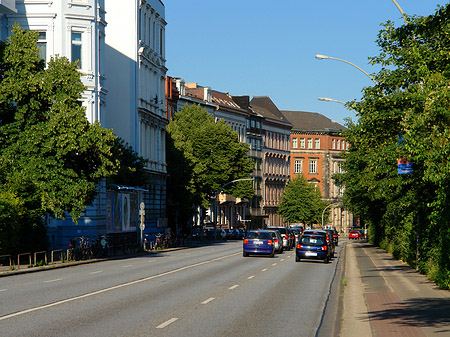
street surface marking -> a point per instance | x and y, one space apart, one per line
250 277
166 323
3 289
234 287
282 260
264 269
55 280
128 265
71 299
208 300
274 264
96 272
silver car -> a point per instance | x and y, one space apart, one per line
277 239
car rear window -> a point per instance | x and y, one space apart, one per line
259 235
312 240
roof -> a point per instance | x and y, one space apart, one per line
311 121
264 106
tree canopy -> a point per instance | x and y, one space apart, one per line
51 156
406 115
204 155
301 202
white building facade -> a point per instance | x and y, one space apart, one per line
119 50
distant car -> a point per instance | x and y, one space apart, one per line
258 242
354 235
312 246
277 240
288 242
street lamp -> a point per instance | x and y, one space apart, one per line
215 200
326 99
330 205
324 57
400 9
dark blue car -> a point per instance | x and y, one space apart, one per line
259 242
312 246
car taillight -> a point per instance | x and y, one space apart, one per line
269 242
299 246
246 241
276 240
324 248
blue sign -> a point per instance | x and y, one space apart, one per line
404 166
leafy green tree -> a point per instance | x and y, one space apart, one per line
131 170
411 100
301 202
51 156
203 156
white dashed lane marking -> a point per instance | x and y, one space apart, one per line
234 287
208 300
166 323
55 280
250 277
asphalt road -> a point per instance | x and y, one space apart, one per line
205 291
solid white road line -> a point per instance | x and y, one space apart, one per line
208 300
71 299
234 287
166 323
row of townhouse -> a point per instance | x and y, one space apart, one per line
282 144
120 50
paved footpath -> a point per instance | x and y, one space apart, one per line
384 297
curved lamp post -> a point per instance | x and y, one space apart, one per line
215 200
330 205
324 57
326 99
400 9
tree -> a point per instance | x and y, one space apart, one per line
131 170
301 202
51 156
410 102
202 156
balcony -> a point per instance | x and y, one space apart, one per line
8 6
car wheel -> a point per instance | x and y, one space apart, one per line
245 254
297 259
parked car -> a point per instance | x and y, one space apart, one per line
258 242
288 242
354 235
236 234
312 246
277 240
228 234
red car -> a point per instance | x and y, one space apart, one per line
354 235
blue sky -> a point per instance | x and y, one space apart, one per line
261 47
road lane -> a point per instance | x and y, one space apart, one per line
286 293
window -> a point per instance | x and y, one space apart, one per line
338 144
76 48
302 143
317 143
310 143
298 166
313 166
294 143
42 45
333 144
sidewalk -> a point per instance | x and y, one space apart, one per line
384 297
